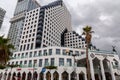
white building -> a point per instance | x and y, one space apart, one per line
103 65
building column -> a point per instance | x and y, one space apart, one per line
91 69
44 76
77 76
51 76
26 76
69 76
38 76
102 70
85 76
60 76
112 72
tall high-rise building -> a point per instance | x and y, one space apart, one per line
2 14
17 21
44 26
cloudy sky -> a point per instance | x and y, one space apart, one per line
102 15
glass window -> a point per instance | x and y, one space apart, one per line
61 61
50 51
57 51
46 62
30 54
40 62
26 55
35 63
25 62
52 61
35 53
64 52
69 62
45 52
20 63
30 63
40 53
77 53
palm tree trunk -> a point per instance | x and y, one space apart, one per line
87 63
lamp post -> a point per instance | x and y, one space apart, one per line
74 55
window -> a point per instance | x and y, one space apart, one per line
69 62
31 45
64 52
77 53
20 63
30 54
52 61
27 46
40 53
26 55
35 63
22 55
46 62
61 61
25 62
35 53
40 62
57 51
50 51
30 63
45 52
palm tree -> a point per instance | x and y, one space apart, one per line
5 50
87 31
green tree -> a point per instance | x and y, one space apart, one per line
5 50
87 31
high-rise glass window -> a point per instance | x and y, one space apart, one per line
40 53
35 53
31 45
35 63
20 63
52 61
50 51
26 55
69 62
61 61
30 63
30 55
77 53
46 62
64 52
25 62
40 62
45 52
57 51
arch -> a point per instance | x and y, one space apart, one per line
81 76
23 76
35 75
19 76
97 70
65 76
29 77
73 75
14 75
48 76
9 76
115 64
41 76
5 75
55 75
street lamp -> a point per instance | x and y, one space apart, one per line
74 55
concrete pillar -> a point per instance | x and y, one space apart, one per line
26 76
69 76
85 76
60 77
92 69
38 76
77 76
44 76
51 76
102 70
112 72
